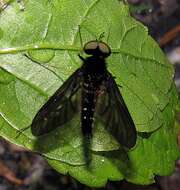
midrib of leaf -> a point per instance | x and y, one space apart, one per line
46 46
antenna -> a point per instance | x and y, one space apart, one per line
109 33
101 36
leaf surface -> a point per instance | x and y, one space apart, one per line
47 32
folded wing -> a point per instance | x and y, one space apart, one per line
60 108
113 112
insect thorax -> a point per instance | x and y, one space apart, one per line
94 66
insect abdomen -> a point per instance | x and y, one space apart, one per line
88 107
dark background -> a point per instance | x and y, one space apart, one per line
22 170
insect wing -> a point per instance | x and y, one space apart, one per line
60 108
112 110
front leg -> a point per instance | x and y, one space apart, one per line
82 58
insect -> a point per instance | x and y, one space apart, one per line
92 91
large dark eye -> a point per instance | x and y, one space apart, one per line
97 48
91 47
104 49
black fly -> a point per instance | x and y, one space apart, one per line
93 92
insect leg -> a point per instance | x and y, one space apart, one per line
82 58
22 130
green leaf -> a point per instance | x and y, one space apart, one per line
152 156
47 32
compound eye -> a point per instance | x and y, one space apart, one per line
104 49
97 48
91 47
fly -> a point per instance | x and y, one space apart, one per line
92 91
